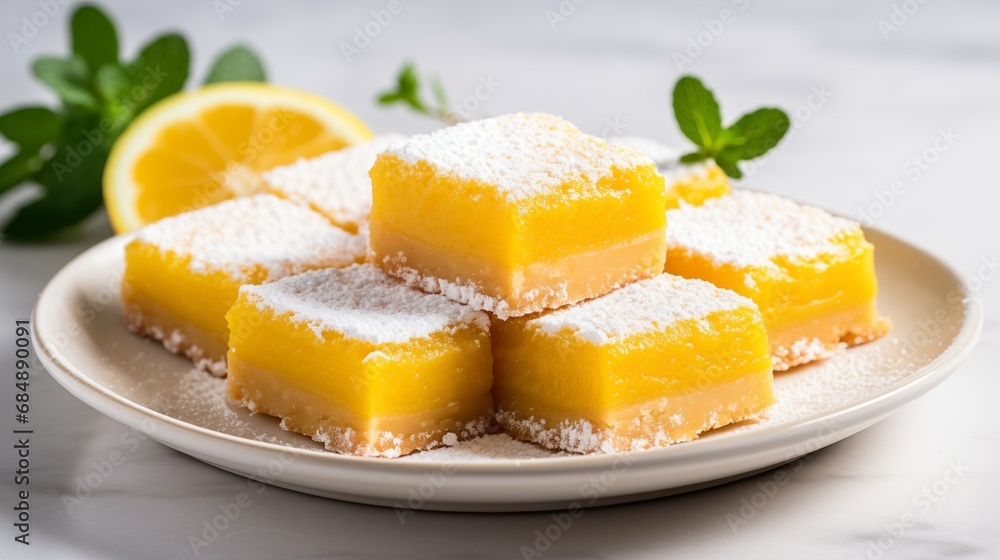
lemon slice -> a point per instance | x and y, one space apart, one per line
199 148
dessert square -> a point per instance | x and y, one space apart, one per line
182 273
361 362
657 362
691 183
811 273
335 184
516 214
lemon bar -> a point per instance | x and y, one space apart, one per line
361 362
657 362
182 273
690 183
811 273
516 214
335 184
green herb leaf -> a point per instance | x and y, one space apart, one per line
693 157
700 119
439 94
18 169
31 127
160 70
756 133
111 81
727 162
68 78
71 181
237 64
697 112
408 92
94 37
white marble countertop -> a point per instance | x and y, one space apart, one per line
865 105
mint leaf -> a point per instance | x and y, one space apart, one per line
71 183
31 127
94 37
18 169
111 81
693 157
68 78
727 162
697 112
700 119
236 64
439 94
756 133
160 70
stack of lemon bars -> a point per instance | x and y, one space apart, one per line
510 274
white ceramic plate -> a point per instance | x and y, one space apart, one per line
80 339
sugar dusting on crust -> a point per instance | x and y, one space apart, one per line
582 436
363 303
389 445
238 235
644 306
522 155
175 342
747 228
336 183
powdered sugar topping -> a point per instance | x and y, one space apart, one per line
747 229
363 303
238 235
521 155
644 306
336 183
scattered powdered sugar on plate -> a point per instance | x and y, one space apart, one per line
644 306
522 155
336 183
492 447
264 231
849 377
201 399
363 303
747 228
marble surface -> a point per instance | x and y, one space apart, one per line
867 97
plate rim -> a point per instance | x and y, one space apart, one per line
907 389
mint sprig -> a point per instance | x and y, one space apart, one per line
408 91
700 119
63 150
